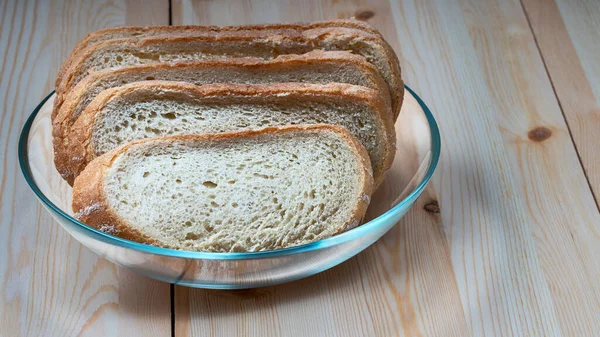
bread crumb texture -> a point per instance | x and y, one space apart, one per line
130 118
238 195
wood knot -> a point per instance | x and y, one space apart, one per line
364 14
432 207
539 134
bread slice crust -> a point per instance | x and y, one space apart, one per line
143 32
80 147
91 206
65 113
292 41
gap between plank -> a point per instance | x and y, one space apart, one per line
170 13
172 286
562 111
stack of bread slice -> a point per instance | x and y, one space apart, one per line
227 139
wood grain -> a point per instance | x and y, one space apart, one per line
568 36
49 284
509 190
520 228
505 241
508 95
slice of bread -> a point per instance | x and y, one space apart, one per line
158 108
234 192
226 44
313 67
142 32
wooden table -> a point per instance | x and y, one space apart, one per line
505 241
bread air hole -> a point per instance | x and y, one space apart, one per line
192 236
152 130
169 115
209 184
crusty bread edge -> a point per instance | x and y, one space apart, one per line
66 80
92 208
92 37
314 56
63 121
80 134
396 88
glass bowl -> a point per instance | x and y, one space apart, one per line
417 154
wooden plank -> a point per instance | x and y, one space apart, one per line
50 285
568 36
501 96
519 221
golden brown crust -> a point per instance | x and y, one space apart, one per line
65 118
311 58
234 36
304 37
124 32
140 32
92 208
90 205
79 145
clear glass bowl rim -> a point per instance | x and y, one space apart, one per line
332 241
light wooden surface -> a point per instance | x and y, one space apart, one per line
568 33
505 241
50 285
